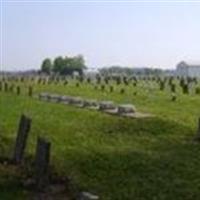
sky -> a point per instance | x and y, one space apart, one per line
134 34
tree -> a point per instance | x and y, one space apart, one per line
46 66
68 65
58 64
78 64
65 66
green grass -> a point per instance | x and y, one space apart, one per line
114 157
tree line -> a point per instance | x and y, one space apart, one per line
63 65
127 71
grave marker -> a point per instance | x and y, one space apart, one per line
42 158
21 140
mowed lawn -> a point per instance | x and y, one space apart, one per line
116 158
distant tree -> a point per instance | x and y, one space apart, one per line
58 64
127 71
68 65
78 64
46 66
64 66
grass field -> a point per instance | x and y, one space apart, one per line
115 157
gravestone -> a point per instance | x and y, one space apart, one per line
30 91
5 87
77 101
185 89
173 88
21 140
93 104
42 158
122 91
111 88
18 90
106 105
126 109
65 82
11 88
102 87
65 99
162 85
173 97
44 96
54 98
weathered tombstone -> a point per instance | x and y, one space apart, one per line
44 96
30 91
98 79
162 85
102 87
122 91
18 90
77 101
88 80
118 80
92 104
173 97
65 83
135 84
21 140
126 109
106 105
173 87
42 159
65 99
135 93
111 88
185 89
54 98
11 88
106 80
6 87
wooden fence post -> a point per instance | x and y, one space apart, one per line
42 158
21 140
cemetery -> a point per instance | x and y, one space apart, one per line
65 137
99 100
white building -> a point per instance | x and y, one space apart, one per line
188 69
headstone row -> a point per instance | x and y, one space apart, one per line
105 106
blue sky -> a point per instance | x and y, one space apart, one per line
129 34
